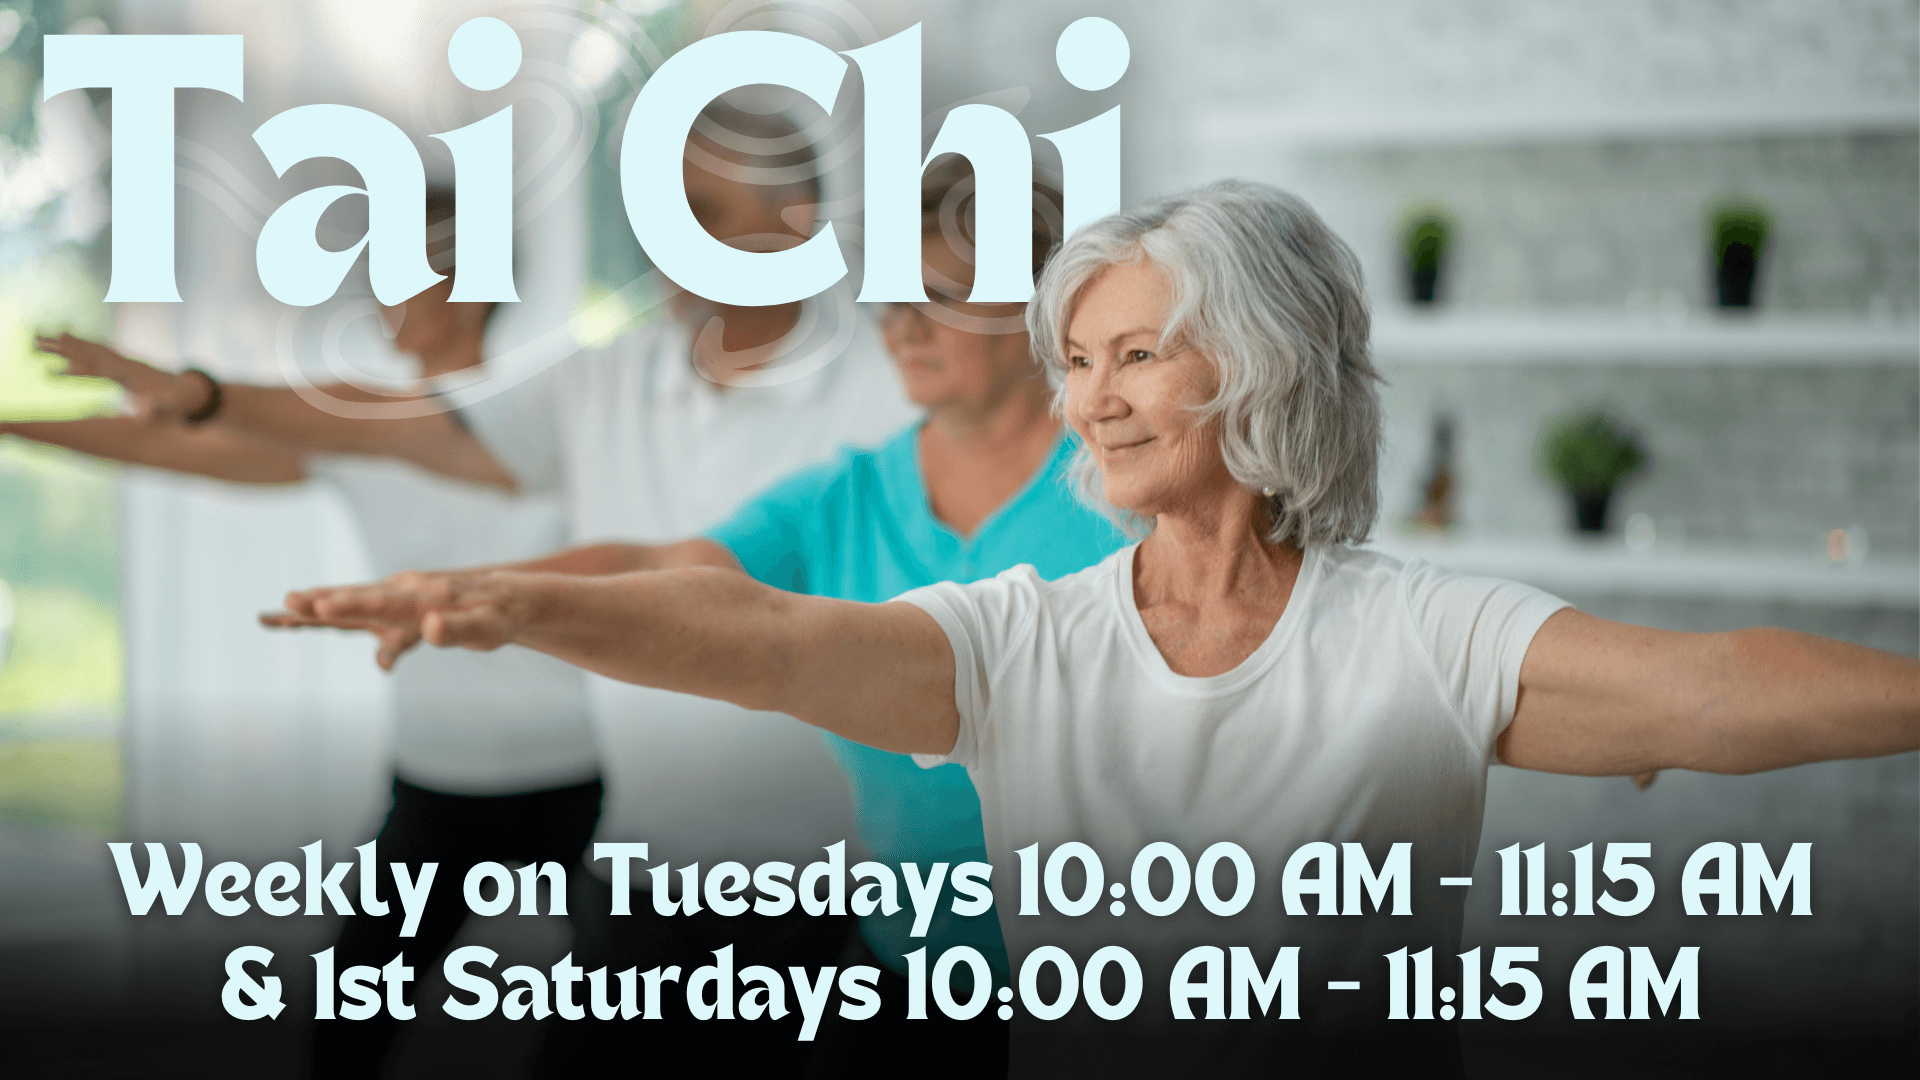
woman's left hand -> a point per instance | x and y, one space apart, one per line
151 393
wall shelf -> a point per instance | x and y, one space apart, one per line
1405 337
1607 566
1310 128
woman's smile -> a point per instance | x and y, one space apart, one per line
1123 449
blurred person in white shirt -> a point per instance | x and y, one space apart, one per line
661 434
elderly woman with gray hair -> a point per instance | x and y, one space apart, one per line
1243 674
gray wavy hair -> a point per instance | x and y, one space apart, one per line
1275 300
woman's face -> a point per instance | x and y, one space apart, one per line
735 211
952 353
1133 397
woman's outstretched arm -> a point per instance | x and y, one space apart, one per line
204 451
433 441
622 558
587 560
1600 698
880 674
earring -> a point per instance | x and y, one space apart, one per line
1267 491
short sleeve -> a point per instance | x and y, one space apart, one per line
1476 630
984 622
769 534
520 427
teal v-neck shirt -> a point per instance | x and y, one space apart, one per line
861 528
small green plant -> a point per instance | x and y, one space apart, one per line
1427 234
1736 220
1587 453
1737 231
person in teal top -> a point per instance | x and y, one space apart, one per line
863 528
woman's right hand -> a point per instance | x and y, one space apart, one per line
396 639
473 610
153 393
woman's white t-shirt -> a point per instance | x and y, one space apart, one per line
1367 716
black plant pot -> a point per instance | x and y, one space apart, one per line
1737 265
1590 511
1424 278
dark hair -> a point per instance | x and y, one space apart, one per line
778 155
946 193
440 229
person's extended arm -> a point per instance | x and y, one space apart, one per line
596 560
1599 698
433 441
881 674
588 560
204 451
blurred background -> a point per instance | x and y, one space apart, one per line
1646 279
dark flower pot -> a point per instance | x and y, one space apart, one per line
1424 278
1737 265
1590 511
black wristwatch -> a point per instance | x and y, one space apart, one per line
214 397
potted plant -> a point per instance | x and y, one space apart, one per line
1737 232
1589 455
1426 237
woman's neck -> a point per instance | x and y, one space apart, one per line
976 457
1208 586
1214 550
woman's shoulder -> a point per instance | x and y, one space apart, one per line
1086 583
1432 594
1364 567
1351 569
866 475
1367 585
1021 591
997 615
891 454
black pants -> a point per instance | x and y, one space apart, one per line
645 940
456 831
883 1043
